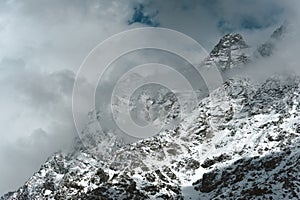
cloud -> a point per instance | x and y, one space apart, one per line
59 33
208 20
42 45
36 119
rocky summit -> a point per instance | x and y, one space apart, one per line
240 142
231 51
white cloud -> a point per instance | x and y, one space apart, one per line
42 45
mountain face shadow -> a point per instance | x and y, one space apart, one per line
274 176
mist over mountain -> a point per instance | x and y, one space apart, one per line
240 142
237 140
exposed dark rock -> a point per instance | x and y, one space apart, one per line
209 162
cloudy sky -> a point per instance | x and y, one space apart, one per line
43 43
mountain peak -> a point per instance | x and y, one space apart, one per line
229 52
229 41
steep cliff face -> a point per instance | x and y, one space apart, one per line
241 142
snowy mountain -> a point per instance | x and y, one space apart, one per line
231 51
240 142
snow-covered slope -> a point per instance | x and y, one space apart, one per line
242 142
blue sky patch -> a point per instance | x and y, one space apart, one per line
141 16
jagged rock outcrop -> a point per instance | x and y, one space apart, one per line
274 176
